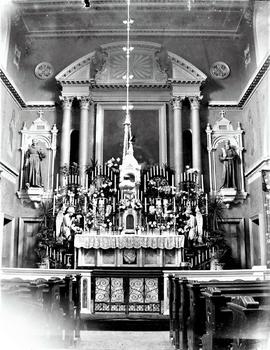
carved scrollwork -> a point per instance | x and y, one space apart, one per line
164 61
98 62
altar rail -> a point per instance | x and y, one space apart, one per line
256 273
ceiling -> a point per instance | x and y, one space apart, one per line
46 18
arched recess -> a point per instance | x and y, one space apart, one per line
158 75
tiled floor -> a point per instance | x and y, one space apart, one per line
124 340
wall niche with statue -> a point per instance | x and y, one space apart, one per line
225 156
38 151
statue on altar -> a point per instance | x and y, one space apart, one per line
32 165
69 227
191 226
228 158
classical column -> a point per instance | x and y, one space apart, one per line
83 143
66 128
196 136
178 136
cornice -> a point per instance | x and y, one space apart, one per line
31 105
248 91
11 88
135 33
103 4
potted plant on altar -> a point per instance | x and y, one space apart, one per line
45 238
220 251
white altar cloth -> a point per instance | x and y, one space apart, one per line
128 241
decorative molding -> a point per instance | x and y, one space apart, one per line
224 35
262 164
14 91
44 70
144 54
8 172
220 70
247 92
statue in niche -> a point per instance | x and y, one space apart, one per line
32 165
228 158
164 61
98 62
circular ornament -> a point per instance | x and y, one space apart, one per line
44 70
220 70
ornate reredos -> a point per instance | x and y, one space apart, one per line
144 67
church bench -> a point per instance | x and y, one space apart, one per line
198 306
56 300
241 319
187 305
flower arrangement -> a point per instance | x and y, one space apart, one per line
114 164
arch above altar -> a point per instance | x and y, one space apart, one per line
151 65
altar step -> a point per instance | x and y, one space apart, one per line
117 322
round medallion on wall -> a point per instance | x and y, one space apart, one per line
44 70
220 70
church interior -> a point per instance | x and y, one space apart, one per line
135 172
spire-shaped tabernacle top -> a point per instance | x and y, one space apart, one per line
127 77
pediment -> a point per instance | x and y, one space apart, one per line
107 65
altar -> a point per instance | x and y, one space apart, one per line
128 250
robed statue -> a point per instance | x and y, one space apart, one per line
32 165
228 157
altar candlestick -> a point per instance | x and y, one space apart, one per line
144 182
115 182
202 183
206 204
85 204
174 206
86 180
145 204
57 180
53 205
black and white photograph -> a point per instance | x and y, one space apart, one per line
135 174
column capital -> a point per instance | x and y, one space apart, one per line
176 102
195 101
66 101
85 101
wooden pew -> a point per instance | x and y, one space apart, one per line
250 323
231 318
57 302
191 303
197 315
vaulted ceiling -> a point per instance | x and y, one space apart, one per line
45 18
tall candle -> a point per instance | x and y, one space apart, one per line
53 205
202 183
57 180
86 185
